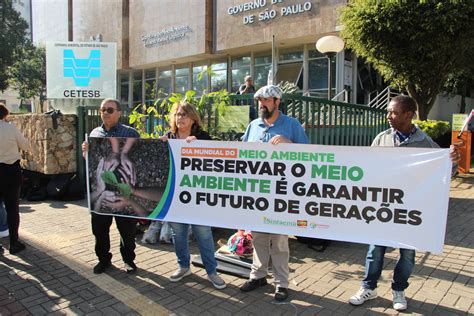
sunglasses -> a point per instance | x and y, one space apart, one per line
108 110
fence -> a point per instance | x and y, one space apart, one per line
325 122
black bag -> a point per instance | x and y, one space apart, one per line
36 193
75 190
66 187
57 186
316 244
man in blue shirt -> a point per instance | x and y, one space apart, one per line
110 112
272 127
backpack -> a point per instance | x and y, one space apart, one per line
240 243
316 244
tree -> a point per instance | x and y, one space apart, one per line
461 83
12 35
415 45
27 75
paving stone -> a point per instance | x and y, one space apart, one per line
57 267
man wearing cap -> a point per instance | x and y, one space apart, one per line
272 127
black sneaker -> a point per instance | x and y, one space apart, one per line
252 284
16 247
1 250
281 293
130 267
101 267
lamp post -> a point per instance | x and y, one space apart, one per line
330 45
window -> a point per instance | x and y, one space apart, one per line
291 72
263 64
150 86
124 85
164 85
318 73
240 69
290 66
291 54
200 78
219 76
182 79
137 87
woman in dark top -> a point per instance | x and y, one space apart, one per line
185 124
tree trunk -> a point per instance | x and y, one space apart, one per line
462 109
424 100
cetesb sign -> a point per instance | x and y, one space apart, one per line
81 70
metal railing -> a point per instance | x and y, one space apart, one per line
342 96
325 122
382 99
335 123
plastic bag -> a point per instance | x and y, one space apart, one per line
165 233
151 234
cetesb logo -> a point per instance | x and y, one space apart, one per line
81 70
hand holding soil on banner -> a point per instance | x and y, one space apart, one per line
126 178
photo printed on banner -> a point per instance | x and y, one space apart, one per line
127 175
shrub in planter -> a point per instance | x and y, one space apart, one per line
439 131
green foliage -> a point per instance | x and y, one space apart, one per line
109 178
415 45
27 74
208 105
12 36
433 128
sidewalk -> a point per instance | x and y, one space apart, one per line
54 275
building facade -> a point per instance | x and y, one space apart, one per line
207 45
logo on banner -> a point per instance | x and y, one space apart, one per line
81 70
302 223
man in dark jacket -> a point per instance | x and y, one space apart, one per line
110 112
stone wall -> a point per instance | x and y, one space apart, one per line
53 151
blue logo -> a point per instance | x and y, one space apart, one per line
81 70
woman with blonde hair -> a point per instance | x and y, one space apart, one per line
10 176
185 124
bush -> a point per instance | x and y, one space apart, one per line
435 129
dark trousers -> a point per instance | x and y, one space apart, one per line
101 228
10 183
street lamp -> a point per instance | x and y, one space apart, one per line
330 45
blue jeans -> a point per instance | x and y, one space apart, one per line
203 235
374 265
3 217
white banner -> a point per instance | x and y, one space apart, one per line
78 70
395 197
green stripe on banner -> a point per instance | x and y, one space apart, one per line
163 199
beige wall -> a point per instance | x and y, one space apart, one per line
100 17
152 17
49 19
291 29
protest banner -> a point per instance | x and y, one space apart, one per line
386 196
